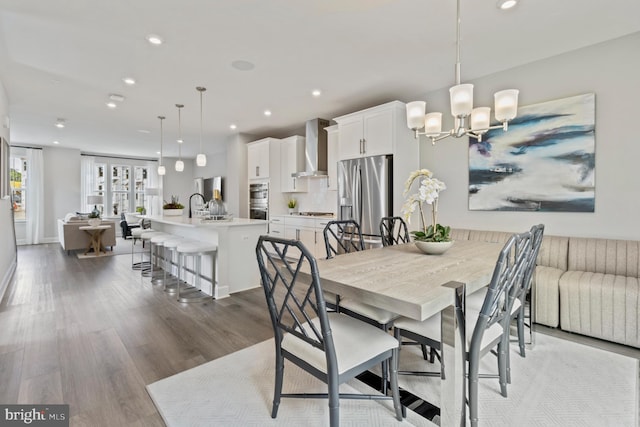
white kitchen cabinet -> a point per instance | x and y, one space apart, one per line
332 156
377 131
292 161
259 157
371 132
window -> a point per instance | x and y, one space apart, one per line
121 184
18 172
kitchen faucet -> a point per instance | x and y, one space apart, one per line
191 196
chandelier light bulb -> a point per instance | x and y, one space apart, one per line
461 100
161 170
415 114
433 124
481 118
506 104
201 160
179 165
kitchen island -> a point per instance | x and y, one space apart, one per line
237 268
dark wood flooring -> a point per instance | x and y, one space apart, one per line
92 333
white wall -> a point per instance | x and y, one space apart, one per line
8 252
610 70
178 183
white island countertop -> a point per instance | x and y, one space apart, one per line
237 267
202 222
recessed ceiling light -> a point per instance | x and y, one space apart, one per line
111 104
506 4
116 97
59 123
56 142
267 113
154 39
157 152
243 65
232 126
129 80
144 131
316 92
179 141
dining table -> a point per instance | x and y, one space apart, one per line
406 281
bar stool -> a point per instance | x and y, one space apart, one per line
152 268
159 255
196 250
172 282
136 234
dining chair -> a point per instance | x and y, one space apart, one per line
330 346
393 230
344 236
486 330
520 311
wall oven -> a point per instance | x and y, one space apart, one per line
259 201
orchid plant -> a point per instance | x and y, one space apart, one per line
428 193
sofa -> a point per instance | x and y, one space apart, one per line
72 238
589 286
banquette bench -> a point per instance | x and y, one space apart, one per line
588 286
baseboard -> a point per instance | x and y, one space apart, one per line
8 276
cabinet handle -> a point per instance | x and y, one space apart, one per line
257 170
297 234
364 146
275 232
360 145
294 183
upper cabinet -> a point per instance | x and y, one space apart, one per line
292 161
373 131
332 156
377 131
260 156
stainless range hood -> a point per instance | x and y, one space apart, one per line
315 152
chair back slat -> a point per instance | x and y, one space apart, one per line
393 230
342 237
293 300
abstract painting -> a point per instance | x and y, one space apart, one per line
545 162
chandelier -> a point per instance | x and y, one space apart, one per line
468 121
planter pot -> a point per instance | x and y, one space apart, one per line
433 248
293 211
172 212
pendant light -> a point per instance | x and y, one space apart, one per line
161 168
179 162
201 159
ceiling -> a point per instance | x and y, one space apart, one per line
62 59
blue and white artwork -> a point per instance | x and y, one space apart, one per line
545 162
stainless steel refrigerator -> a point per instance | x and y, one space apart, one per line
365 193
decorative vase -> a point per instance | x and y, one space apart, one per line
172 212
94 222
433 248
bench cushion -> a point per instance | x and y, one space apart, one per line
605 306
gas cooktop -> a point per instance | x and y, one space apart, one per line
316 213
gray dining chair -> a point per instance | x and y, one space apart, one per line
344 236
393 231
330 346
486 331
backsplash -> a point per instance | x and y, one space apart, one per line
318 197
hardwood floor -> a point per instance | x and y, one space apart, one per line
92 334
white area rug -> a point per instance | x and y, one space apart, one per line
559 383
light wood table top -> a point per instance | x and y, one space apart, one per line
406 281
